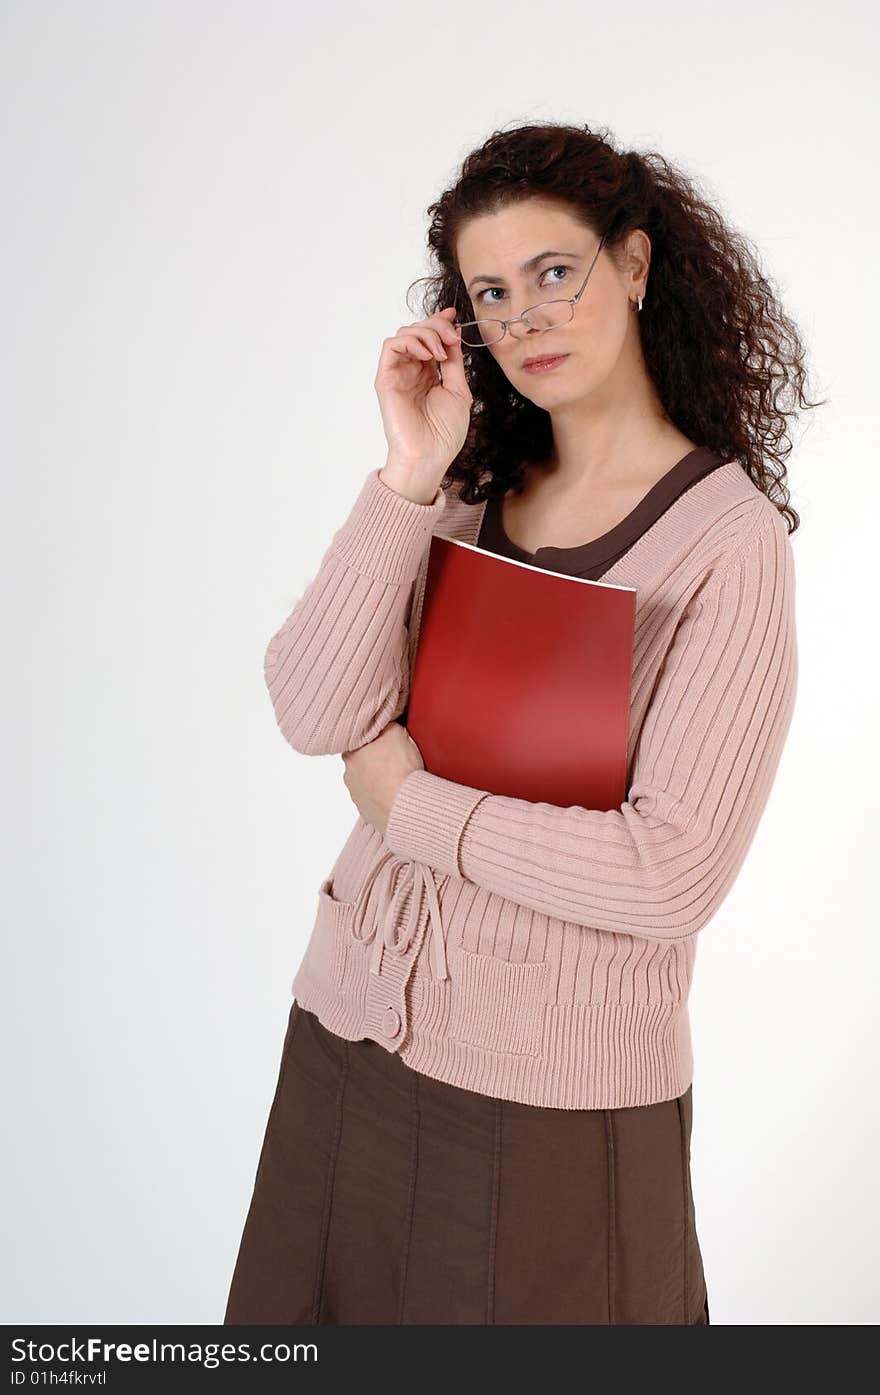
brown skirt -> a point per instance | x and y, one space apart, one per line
385 1196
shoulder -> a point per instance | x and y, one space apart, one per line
456 512
452 489
735 526
753 579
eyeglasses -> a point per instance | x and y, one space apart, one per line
550 314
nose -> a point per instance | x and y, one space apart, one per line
520 330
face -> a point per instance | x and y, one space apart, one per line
601 341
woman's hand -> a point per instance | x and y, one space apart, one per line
425 412
375 772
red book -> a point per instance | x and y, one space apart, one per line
521 678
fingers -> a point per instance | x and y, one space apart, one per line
426 339
424 343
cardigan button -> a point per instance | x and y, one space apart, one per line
391 1022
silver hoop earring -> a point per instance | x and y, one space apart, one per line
639 306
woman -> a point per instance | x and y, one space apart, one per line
483 1111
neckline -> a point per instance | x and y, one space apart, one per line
695 463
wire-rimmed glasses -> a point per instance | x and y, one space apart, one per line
549 314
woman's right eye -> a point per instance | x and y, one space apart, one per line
546 272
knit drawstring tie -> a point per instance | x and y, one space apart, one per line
388 884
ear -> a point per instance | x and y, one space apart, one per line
637 257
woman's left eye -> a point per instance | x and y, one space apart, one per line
490 289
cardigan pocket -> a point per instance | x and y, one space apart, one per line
325 956
496 1004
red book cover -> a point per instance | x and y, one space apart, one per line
521 678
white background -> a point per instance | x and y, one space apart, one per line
212 214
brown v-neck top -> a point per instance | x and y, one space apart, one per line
591 559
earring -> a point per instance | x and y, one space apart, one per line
639 306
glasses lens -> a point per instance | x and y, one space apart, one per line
480 332
549 314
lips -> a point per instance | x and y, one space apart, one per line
542 359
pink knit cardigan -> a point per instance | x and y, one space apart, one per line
524 950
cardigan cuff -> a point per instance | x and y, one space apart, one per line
386 534
427 819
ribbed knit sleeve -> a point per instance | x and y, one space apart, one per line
705 761
337 670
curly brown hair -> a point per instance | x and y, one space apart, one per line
726 360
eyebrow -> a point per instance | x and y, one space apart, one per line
526 266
